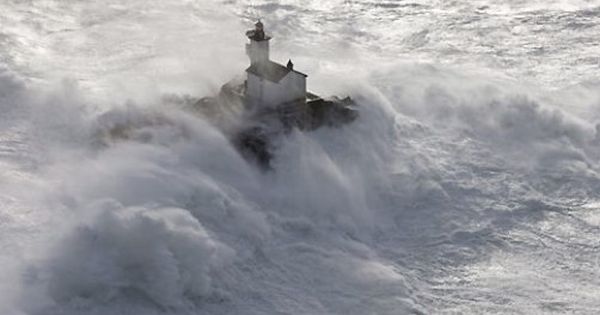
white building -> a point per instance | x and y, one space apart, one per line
270 84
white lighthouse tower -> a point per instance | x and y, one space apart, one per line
258 49
270 84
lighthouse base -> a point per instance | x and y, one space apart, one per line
253 130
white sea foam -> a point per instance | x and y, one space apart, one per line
462 187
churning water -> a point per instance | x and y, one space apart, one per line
469 184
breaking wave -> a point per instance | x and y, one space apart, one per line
454 191
163 213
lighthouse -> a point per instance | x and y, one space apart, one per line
258 48
270 84
274 101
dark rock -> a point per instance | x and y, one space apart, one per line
254 145
253 132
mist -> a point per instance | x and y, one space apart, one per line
462 186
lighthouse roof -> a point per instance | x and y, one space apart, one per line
271 71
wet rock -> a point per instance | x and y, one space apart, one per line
253 131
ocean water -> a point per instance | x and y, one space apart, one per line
469 184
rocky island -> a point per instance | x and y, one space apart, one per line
270 101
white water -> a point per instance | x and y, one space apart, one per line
469 184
